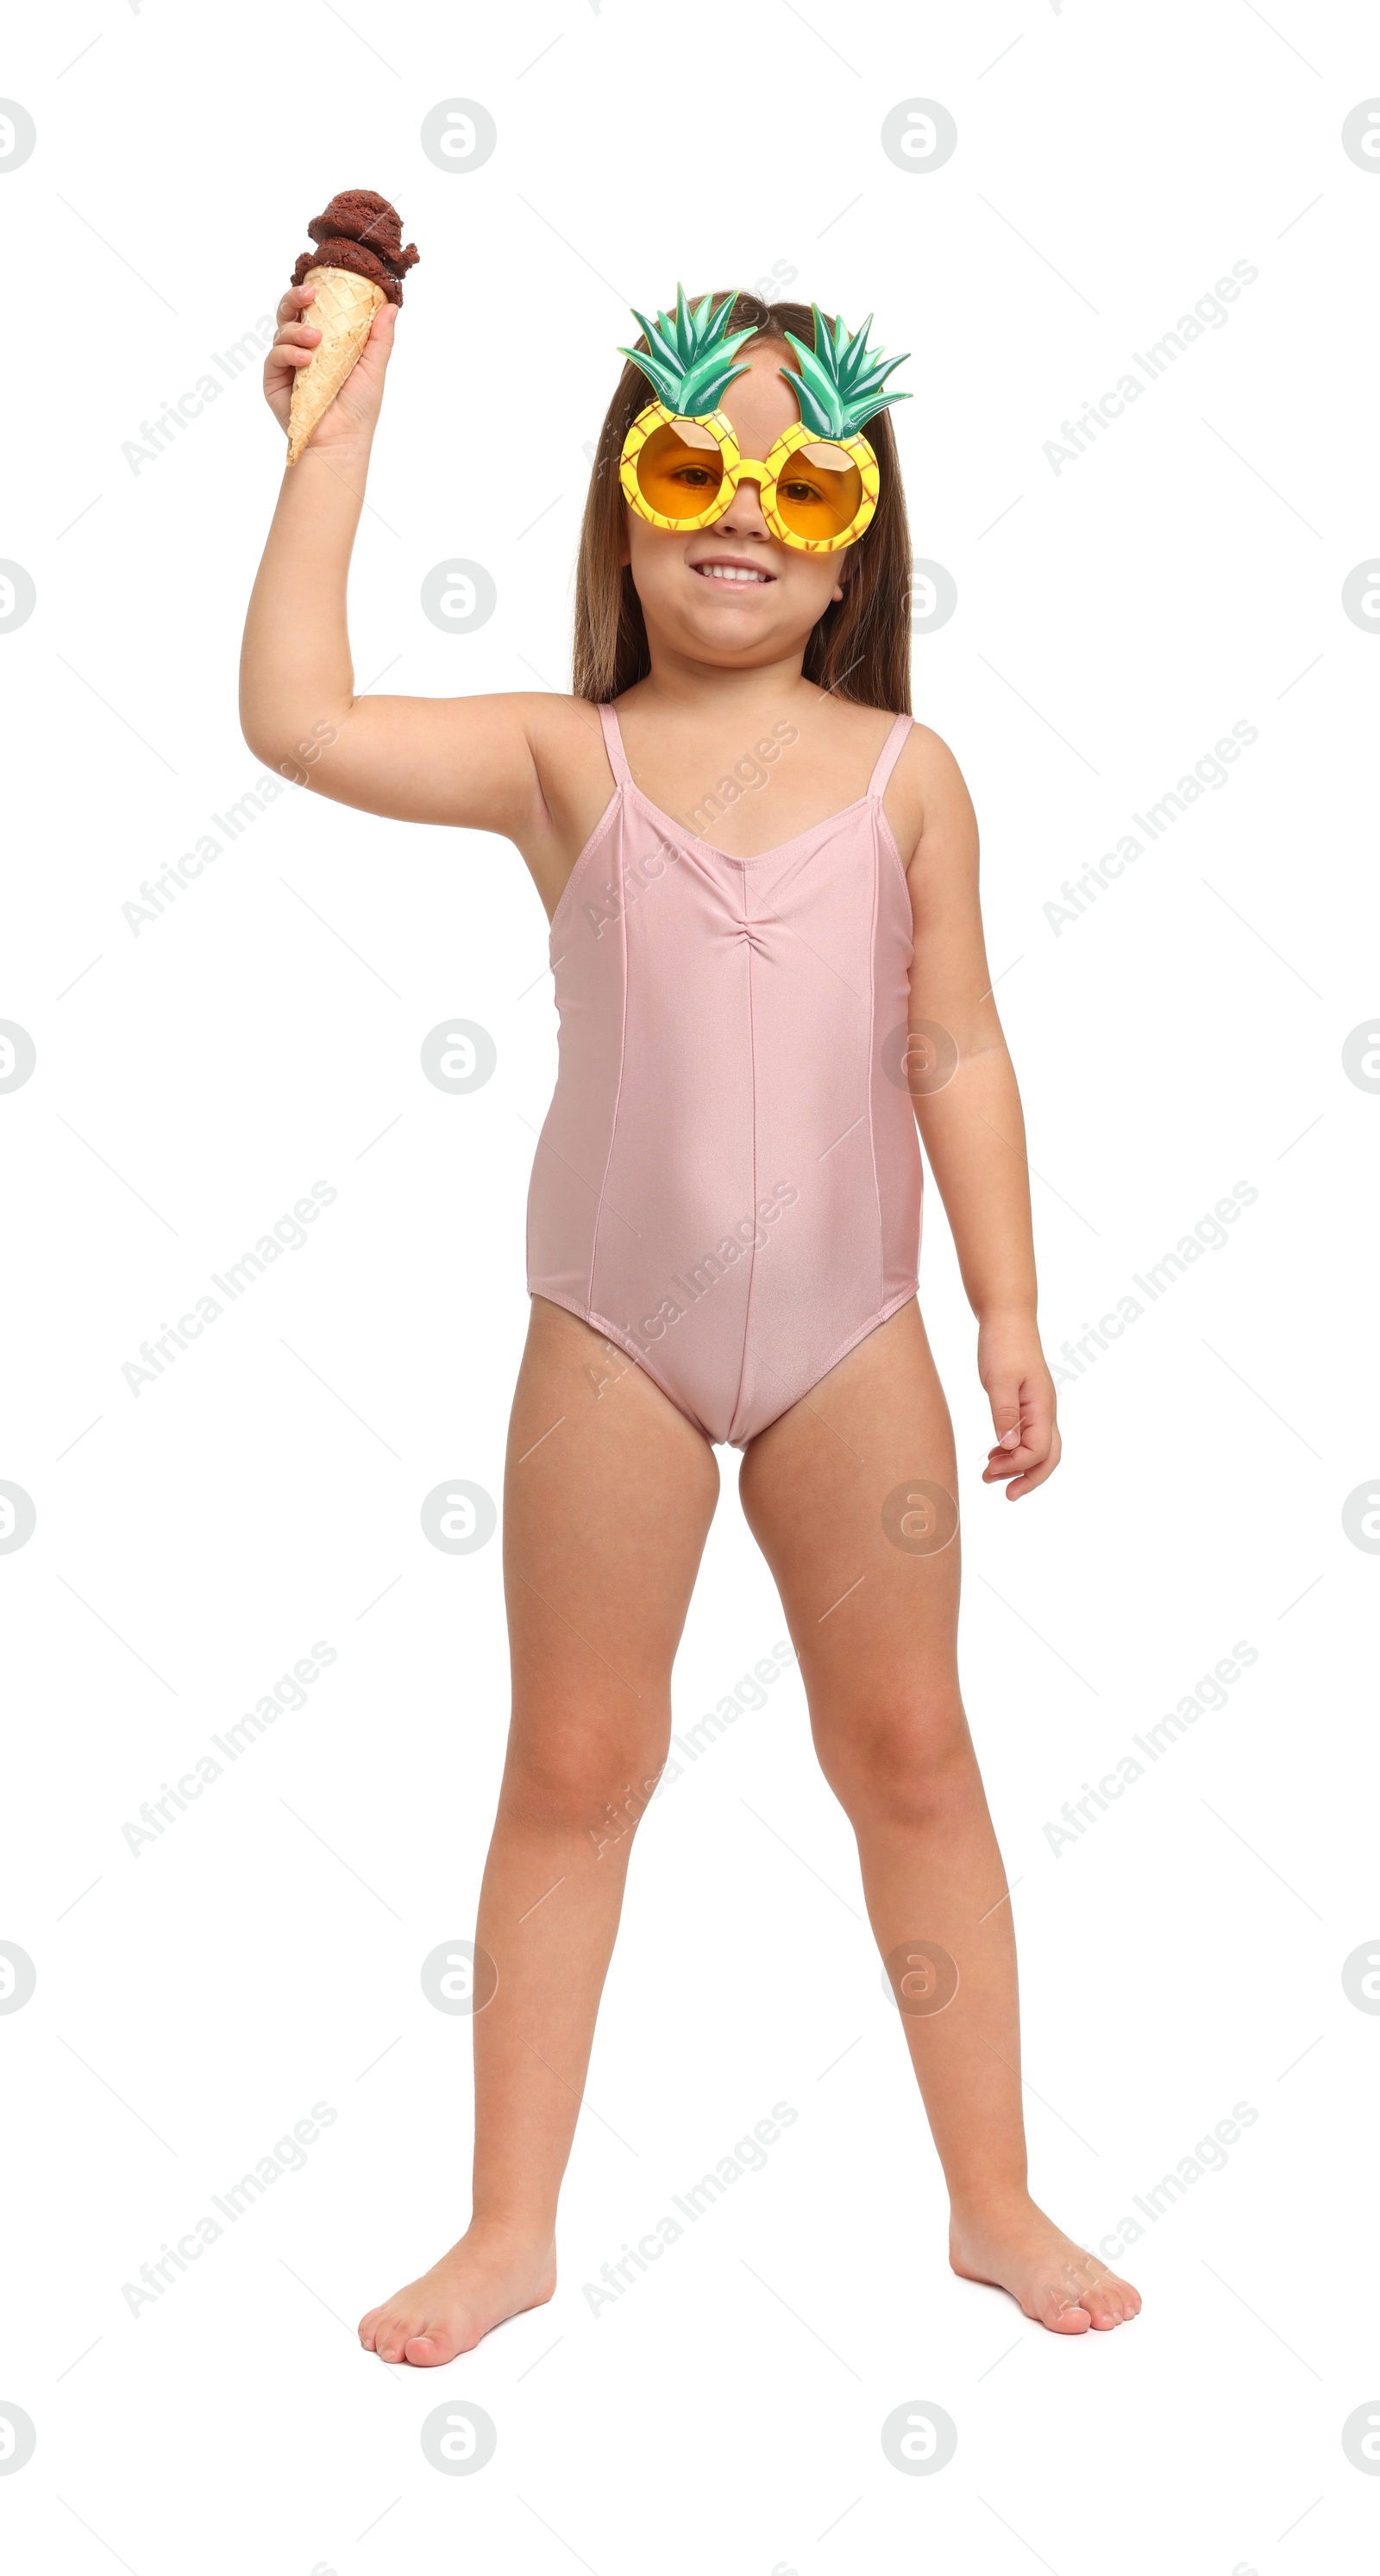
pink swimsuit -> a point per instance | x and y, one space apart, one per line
728 1182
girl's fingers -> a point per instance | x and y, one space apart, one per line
381 330
1023 1469
1016 1438
1031 1418
1026 1449
291 304
1027 1484
1006 1411
296 335
1004 1465
289 356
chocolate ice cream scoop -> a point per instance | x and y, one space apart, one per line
360 231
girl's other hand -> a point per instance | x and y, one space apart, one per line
1020 1390
350 420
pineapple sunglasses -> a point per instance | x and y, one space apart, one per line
680 465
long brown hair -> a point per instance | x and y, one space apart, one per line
861 645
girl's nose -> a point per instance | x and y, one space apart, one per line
744 513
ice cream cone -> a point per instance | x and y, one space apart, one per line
343 313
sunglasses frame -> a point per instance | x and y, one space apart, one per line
766 474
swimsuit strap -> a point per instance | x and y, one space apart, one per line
890 754
613 745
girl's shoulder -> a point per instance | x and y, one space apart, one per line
924 760
926 797
864 722
929 758
565 734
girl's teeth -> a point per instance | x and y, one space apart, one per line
729 572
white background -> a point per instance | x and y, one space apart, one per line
192 1541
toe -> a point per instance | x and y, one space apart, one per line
433 2345
1063 2315
366 2328
1103 2304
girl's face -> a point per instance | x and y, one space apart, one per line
732 593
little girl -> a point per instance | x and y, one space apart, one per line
759 995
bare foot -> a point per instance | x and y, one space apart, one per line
491 2274
1053 2280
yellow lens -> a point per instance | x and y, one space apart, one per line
819 493
680 469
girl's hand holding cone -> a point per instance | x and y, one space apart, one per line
351 413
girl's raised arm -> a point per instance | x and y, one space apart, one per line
468 761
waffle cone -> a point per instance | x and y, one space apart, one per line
343 313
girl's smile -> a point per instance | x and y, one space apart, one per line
731 569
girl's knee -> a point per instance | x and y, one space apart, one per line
621 1814
589 1777
908 1765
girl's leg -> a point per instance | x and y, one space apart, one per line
871 1600
608 1497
